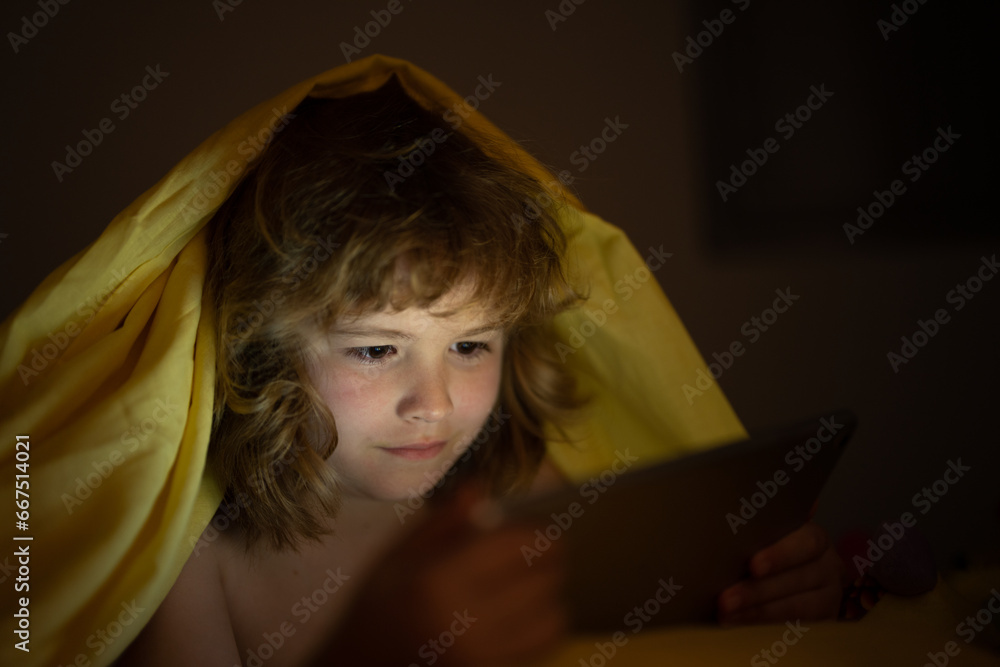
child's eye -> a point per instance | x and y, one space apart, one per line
471 350
373 355
376 355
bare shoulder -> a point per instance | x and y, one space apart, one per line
193 624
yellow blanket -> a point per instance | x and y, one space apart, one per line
106 387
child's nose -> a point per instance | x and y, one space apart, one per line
428 398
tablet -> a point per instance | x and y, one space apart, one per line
656 546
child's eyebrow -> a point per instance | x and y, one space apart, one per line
487 328
374 333
402 335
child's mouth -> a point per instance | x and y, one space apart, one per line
417 452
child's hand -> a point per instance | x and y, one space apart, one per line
457 596
799 577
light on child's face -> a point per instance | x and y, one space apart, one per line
409 392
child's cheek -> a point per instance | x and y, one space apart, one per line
353 391
349 391
482 390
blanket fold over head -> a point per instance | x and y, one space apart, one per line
108 370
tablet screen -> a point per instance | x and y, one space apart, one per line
656 546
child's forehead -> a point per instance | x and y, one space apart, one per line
448 311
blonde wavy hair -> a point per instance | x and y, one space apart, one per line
349 191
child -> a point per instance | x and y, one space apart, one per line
379 362
373 371
381 290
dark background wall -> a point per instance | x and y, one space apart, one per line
658 181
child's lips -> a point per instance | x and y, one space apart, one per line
417 451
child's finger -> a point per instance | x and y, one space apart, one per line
816 604
754 593
801 546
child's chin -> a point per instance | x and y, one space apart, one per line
410 490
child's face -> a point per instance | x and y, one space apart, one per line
399 381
